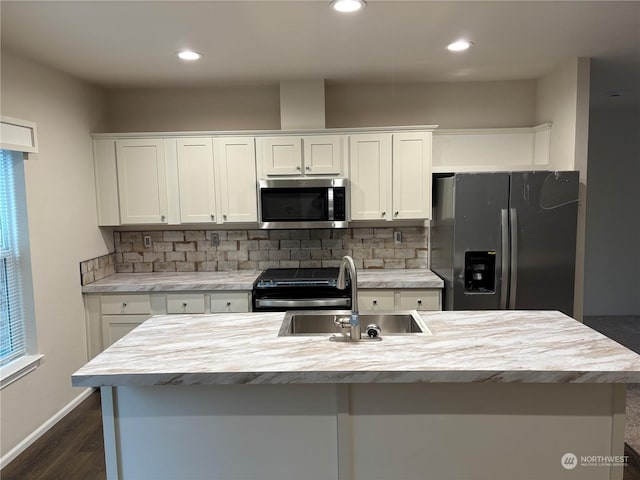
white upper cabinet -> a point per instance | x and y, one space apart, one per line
236 174
323 154
390 176
411 175
142 182
196 180
300 155
370 176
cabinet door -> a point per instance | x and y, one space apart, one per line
411 175
414 299
281 155
114 327
196 180
142 182
322 155
370 176
229 302
236 180
376 300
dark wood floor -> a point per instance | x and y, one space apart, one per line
74 450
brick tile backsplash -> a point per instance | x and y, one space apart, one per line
192 250
97 268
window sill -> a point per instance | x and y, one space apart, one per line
18 369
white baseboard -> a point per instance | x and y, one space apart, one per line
44 428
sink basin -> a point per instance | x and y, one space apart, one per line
321 323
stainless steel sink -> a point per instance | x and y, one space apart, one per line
321 323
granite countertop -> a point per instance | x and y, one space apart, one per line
480 346
243 280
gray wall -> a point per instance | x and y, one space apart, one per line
612 264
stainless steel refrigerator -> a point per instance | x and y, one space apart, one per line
506 240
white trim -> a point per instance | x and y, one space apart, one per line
17 369
492 131
15 130
44 428
260 133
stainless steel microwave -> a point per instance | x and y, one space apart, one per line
303 203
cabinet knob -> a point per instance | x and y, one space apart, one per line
375 302
298 167
224 217
396 213
213 217
419 302
308 168
124 304
162 217
228 304
384 213
184 305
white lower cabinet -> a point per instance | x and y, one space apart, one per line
402 299
230 302
110 317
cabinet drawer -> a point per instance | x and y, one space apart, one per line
419 300
185 303
229 302
374 300
125 304
114 327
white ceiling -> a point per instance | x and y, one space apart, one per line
126 44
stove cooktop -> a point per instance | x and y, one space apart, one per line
275 277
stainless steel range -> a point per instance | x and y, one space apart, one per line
281 289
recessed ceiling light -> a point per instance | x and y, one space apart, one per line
459 46
347 6
189 55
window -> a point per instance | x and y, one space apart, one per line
13 339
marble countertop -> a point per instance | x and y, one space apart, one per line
480 346
243 280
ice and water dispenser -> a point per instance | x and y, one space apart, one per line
480 272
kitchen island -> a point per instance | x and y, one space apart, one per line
489 395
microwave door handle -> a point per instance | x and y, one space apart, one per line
330 203
513 287
504 260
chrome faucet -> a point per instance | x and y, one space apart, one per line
354 321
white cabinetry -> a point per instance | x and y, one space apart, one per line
390 176
370 176
236 174
401 299
142 181
111 316
196 180
300 155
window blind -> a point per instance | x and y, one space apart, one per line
12 328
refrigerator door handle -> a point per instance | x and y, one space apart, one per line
504 224
513 287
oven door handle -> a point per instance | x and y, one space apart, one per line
316 302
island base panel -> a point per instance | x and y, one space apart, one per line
362 431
